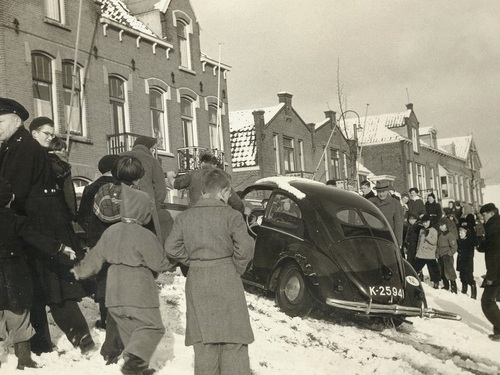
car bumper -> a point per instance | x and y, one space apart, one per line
392 309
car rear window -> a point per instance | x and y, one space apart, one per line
353 225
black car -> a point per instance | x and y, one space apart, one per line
316 244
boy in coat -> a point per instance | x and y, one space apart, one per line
446 249
465 261
135 255
16 285
426 251
211 238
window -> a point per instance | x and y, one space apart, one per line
42 86
187 122
212 127
420 177
184 48
414 139
289 156
462 188
159 127
410 175
344 165
302 165
277 162
54 9
117 102
72 106
335 164
444 187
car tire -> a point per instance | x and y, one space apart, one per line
292 295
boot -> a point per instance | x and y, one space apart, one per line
23 354
453 286
134 365
446 284
86 344
473 289
436 285
464 288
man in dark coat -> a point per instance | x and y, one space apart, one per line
25 164
193 182
490 246
390 207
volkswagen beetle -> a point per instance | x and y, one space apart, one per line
316 244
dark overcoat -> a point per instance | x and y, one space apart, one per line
212 239
25 164
490 246
465 259
16 285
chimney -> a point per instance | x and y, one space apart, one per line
409 106
332 116
259 122
285 97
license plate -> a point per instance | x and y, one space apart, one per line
389 291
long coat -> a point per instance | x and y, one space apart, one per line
465 258
25 164
212 239
393 212
16 285
427 243
447 244
490 246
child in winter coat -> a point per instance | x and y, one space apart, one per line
16 285
135 255
426 251
446 248
465 261
411 238
212 239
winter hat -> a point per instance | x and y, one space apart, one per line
135 206
149 142
488 207
106 163
444 221
11 106
5 192
40 121
425 218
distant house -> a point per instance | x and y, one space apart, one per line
277 141
139 71
395 144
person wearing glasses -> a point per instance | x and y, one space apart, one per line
25 164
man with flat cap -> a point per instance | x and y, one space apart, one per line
25 164
490 246
390 207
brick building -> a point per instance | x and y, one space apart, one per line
139 71
394 144
276 141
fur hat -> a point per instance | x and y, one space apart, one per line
149 142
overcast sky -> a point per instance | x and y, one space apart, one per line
445 53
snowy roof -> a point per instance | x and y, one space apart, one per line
242 135
283 182
375 129
462 145
239 119
243 147
426 130
117 11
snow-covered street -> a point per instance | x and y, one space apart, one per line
313 345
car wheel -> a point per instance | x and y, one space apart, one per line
292 295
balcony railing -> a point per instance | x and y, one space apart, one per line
189 157
302 174
121 142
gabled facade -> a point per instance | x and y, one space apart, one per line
139 71
395 144
276 141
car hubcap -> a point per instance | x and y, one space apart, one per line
292 288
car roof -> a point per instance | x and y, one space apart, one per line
302 188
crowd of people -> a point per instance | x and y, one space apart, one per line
130 237
429 235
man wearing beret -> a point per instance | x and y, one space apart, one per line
490 246
390 207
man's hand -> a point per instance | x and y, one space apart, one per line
69 252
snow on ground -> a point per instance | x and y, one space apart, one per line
318 345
